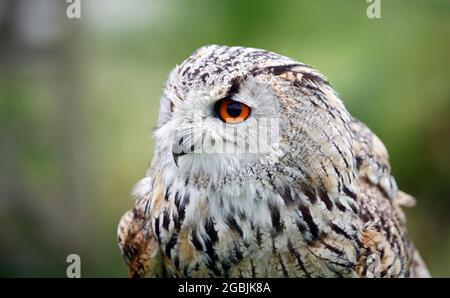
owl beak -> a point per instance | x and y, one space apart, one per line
176 155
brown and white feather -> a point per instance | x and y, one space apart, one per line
320 202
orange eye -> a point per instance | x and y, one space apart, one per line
231 111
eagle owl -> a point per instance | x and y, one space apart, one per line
260 171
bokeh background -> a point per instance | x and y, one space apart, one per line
78 99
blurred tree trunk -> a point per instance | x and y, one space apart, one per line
37 41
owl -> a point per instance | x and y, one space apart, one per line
260 171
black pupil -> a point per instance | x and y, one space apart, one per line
234 109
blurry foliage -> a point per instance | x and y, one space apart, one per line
76 116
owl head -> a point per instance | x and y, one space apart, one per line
231 113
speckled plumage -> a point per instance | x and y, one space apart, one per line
318 202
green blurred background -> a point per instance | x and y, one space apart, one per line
78 99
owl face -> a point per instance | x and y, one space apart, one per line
216 117
227 114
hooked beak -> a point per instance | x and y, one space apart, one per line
176 155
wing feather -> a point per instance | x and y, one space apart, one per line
384 231
137 242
